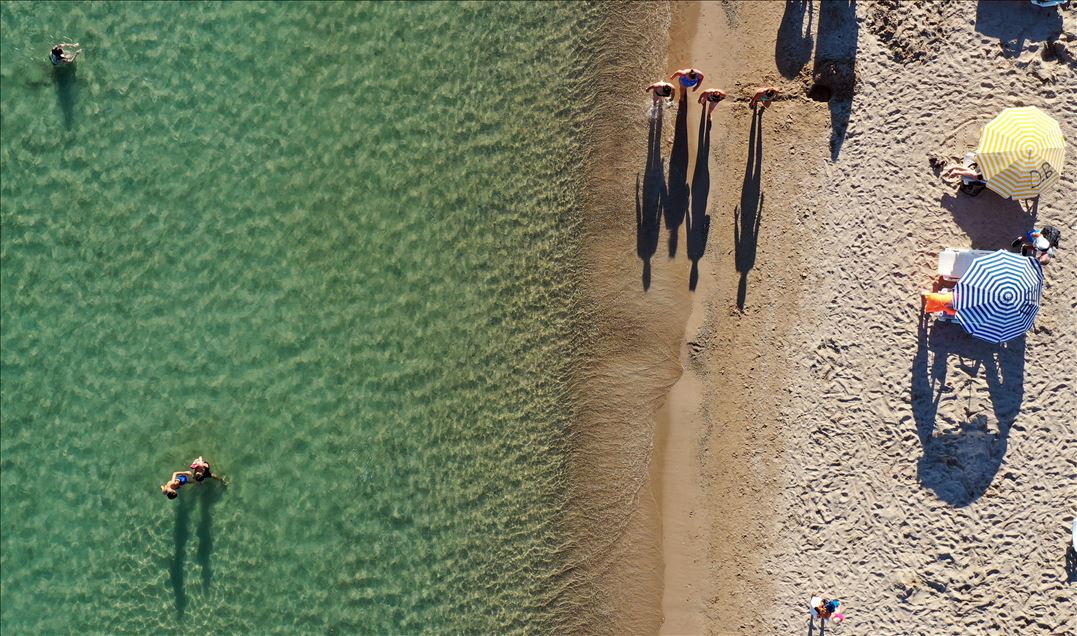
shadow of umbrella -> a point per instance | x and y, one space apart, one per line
960 465
834 73
793 47
1015 21
990 221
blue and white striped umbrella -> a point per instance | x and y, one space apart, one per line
998 298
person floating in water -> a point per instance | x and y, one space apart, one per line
689 78
201 470
179 479
763 96
64 53
659 90
711 97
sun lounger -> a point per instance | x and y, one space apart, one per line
953 262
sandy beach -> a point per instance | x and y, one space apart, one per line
808 431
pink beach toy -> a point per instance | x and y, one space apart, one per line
837 618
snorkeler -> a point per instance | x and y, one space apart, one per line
179 479
201 470
711 97
60 53
763 96
689 78
661 90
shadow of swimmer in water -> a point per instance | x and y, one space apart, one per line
208 493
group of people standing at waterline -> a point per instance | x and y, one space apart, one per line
692 78
199 472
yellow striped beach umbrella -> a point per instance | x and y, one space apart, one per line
1021 152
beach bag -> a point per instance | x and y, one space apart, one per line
1052 234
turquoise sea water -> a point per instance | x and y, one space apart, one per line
331 247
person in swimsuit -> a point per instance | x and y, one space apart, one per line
711 97
201 470
179 479
689 78
659 90
60 56
763 96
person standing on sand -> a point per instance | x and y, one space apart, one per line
710 98
689 78
763 96
661 90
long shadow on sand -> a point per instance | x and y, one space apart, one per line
835 65
960 466
794 44
748 216
1015 21
990 221
699 222
650 200
677 191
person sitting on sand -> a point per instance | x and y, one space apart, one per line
711 97
201 470
763 96
59 55
689 78
963 172
179 479
659 90
940 302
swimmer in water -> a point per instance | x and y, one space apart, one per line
60 54
179 479
659 90
689 78
710 98
763 96
201 470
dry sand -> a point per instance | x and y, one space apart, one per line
822 438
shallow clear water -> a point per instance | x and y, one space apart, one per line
331 247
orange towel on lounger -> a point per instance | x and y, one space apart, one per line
939 301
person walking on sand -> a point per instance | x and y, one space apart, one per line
711 97
763 96
179 479
689 78
660 90
61 53
201 470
